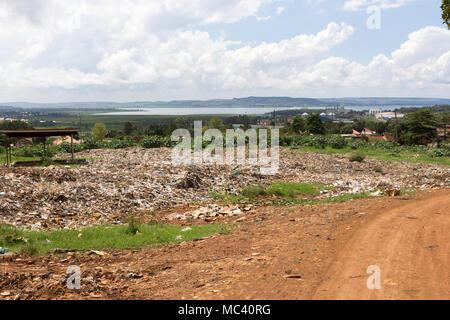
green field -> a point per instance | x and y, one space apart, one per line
386 155
112 122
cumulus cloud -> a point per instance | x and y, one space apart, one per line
354 5
156 48
411 66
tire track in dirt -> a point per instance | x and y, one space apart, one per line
410 244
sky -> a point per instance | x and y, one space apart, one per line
149 50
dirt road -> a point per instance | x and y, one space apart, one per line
411 246
308 252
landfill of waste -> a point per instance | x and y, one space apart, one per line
116 183
213 211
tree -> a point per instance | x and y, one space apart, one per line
421 127
314 124
181 123
128 128
99 131
298 125
446 12
214 123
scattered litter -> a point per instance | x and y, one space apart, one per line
212 211
124 182
98 253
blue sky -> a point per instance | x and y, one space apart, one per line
130 50
312 16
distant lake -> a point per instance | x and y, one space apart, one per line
186 111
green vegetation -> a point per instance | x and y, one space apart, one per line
277 191
99 131
286 190
421 127
102 237
357 157
314 124
382 150
284 194
297 126
409 154
291 190
445 6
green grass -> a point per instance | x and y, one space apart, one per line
343 198
282 190
384 155
293 189
14 159
102 237
287 193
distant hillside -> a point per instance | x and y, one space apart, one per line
249 102
244 102
387 101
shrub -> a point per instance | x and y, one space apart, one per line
156 142
337 142
133 225
254 191
29 249
127 142
91 143
357 157
358 145
286 141
66 147
441 152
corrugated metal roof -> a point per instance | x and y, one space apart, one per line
39 133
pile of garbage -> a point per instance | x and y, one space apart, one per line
213 211
117 183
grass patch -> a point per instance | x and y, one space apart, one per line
343 198
14 158
281 190
386 155
292 190
102 237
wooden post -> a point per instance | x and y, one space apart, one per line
396 127
71 143
6 151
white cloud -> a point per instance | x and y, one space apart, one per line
354 5
411 66
280 10
153 50
263 18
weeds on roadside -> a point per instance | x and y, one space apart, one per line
278 191
357 157
29 249
133 225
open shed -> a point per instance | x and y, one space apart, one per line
34 134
